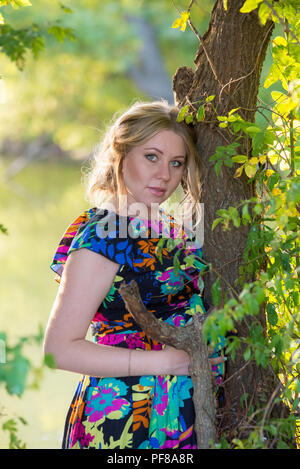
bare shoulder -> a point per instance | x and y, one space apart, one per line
83 259
85 282
88 270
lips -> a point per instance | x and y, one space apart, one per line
158 191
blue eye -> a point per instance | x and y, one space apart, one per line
176 164
151 157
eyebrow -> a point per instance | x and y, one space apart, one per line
161 152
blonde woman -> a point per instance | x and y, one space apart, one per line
133 392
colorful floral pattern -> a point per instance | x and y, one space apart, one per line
138 411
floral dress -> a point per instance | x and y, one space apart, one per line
137 412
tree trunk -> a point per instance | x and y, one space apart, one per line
228 65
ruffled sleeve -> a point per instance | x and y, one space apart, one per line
100 231
63 249
106 234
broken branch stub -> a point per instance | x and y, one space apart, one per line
189 339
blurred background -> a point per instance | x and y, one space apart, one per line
102 56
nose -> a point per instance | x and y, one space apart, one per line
164 171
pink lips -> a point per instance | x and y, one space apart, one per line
157 191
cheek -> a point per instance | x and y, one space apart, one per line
133 172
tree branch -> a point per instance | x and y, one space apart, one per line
188 338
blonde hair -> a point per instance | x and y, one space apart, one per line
135 126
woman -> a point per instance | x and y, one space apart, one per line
134 392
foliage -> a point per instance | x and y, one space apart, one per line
15 367
3 229
271 256
15 371
74 87
272 251
16 42
35 219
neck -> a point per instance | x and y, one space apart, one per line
123 207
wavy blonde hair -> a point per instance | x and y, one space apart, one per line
135 126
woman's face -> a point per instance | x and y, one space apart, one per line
153 170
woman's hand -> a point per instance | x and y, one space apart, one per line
178 361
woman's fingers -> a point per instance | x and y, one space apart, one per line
217 360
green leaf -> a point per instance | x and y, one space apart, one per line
253 129
273 76
66 9
182 113
188 118
16 4
159 248
264 13
49 361
296 404
239 171
23 421
247 354
250 170
200 285
189 260
233 110
240 158
216 292
176 262
223 212
215 223
3 229
218 166
228 162
14 441
273 179
61 33
200 113
10 425
278 96
245 214
16 372
170 244
234 215
38 44
250 5
261 357
181 22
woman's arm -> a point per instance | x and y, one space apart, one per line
86 280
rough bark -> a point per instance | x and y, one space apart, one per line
228 65
186 338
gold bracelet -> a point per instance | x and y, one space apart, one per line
129 362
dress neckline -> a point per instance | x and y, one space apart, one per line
162 212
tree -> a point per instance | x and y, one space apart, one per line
228 65
251 181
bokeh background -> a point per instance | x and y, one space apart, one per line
52 114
